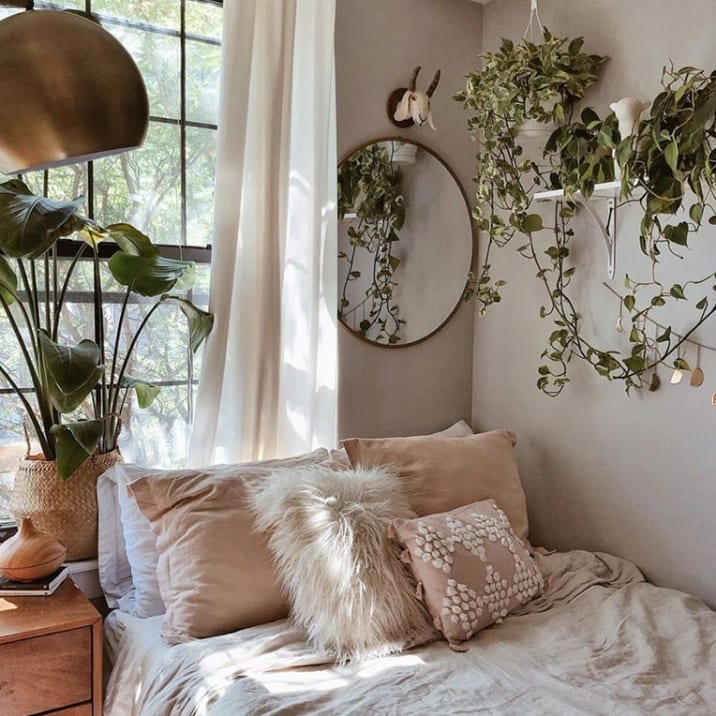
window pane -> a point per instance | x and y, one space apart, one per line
161 13
142 187
203 18
63 183
203 63
200 179
158 59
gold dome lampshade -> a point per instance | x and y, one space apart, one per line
69 92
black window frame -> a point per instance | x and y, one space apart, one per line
67 248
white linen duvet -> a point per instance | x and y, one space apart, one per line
600 640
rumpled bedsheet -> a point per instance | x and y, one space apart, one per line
600 640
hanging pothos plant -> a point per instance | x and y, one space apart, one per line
369 188
670 157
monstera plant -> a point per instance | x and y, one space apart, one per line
78 391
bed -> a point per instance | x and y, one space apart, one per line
192 561
600 640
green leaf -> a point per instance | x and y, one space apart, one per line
147 275
75 443
629 302
200 322
8 281
146 392
532 223
187 280
696 213
665 336
635 363
671 155
92 235
625 151
394 262
132 240
681 364
678 234
677 291
71 372
30 224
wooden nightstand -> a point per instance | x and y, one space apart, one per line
50 655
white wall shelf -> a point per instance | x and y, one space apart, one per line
609 192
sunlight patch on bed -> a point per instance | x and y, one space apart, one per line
372 668
292 682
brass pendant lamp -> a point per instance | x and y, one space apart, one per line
69 92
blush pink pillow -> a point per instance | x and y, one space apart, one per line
470 566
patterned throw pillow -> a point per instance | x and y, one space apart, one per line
472 569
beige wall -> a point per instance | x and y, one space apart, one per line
633 476
378 42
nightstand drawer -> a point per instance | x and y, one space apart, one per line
46 672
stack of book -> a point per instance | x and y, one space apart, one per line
37 588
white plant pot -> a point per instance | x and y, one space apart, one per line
401 152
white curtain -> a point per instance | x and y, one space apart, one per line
268 380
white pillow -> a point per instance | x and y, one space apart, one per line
127 546
115 575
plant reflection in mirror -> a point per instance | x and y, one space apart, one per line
370 197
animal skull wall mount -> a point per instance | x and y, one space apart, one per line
407 106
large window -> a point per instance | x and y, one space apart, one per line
166 189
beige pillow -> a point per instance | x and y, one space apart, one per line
459 429
328 532
445 473
215 572
471 568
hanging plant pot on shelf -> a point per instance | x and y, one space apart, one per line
66 509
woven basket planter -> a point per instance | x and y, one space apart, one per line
66 509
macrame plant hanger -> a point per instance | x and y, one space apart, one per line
534 25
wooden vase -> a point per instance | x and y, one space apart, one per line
30 554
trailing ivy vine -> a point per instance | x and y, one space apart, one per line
669 163
369 188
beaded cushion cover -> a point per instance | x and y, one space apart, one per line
470 567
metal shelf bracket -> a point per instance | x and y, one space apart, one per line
608 191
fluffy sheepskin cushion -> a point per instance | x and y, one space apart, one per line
342 574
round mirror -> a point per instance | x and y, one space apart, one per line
405 242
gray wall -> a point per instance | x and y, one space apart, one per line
378 42
633 476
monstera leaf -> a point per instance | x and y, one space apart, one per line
147 275
72 372
131 240
200 322
146 392
75 443
30 224
8 281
